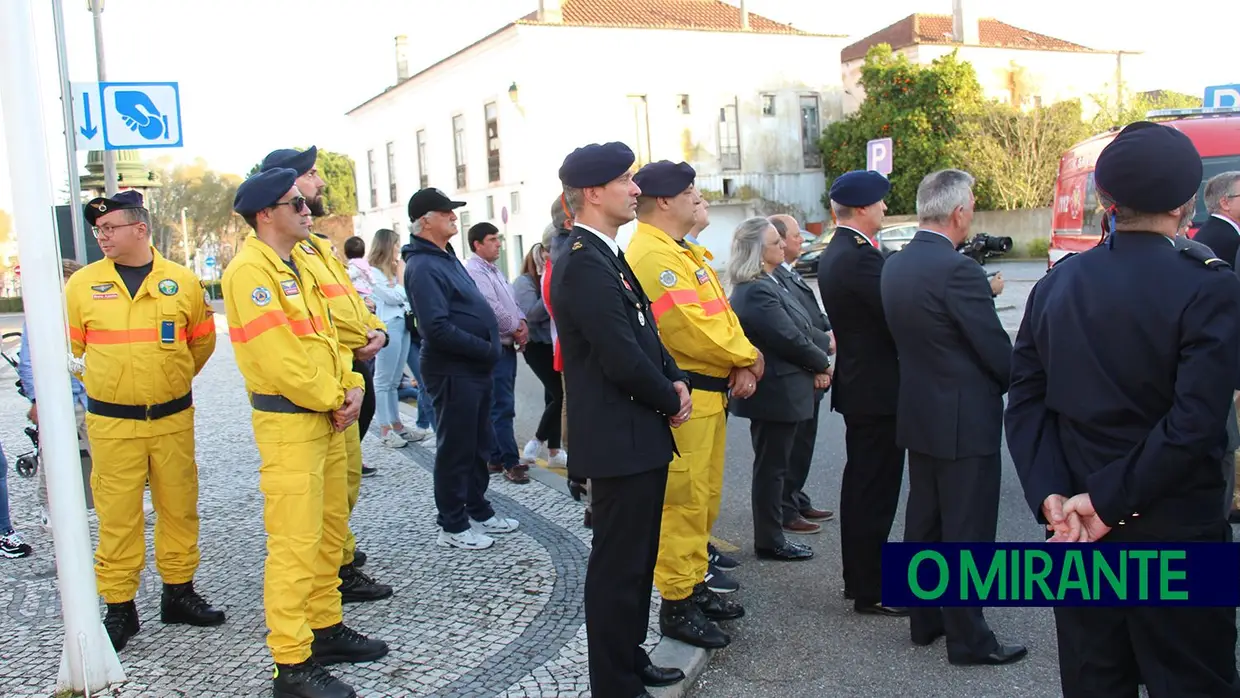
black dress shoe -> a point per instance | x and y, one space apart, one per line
121 622
356 587
683 620
181 605
308 680
787 551
1003 654
714 606
660 676
340 643
878 609
576 489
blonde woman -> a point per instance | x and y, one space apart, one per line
387 272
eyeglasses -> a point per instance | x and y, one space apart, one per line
297 202
102 231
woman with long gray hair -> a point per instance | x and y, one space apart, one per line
796 365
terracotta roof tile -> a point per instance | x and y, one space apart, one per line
699 15
937 29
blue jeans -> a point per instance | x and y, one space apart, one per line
389 367
6 525
426 412
503 409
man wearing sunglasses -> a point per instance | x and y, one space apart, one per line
361 332
305 397
144 328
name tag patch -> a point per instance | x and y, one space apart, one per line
104 296
701 276
289 287
167 332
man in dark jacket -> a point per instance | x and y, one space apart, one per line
460 346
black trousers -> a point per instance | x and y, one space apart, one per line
367 369
795 499
462 446
541 359
869 497
772 453
953 501
628 513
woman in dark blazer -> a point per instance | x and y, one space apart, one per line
796 364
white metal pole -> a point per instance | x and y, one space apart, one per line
109 156
88 662
75 188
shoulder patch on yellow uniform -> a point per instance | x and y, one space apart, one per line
668 278
308 248
168 287
261 296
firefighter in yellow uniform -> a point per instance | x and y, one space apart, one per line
360 331
304 396
705 338
144 329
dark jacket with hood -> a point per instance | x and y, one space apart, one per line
459 332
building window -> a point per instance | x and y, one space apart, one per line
490 208
641 128
768 105
811 131
682 102
391 164
492 119
374 186
729 138
463 229
458 148
514 203
424 179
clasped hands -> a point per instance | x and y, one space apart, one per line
344 416
686 404
374 342
743 381
1073 520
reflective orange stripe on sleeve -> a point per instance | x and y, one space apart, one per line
202 330
686 297
335 290
76 334
271 320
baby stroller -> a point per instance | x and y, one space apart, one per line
27 464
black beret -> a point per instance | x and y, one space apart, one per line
263 189
595 165
665 178
102 206
1149 167
859 188
300 160
430 199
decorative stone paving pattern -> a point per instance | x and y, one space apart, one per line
507 621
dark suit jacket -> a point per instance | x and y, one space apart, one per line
867 372
1221 237
955 356
618 376
781 329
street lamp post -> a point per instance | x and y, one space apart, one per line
66 99
109 156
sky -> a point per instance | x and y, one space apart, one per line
256 75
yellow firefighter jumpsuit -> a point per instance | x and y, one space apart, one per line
705 338
141 356
296 373
353 320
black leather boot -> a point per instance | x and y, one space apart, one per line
683 620
181 605
308 680
340 643
356 587
121 622
359 558
714 606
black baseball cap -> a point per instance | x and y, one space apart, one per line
428 200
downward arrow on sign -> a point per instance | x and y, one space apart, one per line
88 130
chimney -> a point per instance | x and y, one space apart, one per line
550 11
964 23
744 17
402 58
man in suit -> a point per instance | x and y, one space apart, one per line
800 514
955 358
865 385
625 393
1122 372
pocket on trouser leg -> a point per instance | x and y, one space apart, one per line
174 492
680 487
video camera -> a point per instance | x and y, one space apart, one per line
983 246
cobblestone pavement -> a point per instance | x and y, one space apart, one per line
507 621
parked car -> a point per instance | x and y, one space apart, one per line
807 263
893 238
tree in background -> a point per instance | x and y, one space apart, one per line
923 109
207 197
1112 113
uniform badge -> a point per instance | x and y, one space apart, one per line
101 288
289 287
625 282
667 277
641 318
261 296
308 248
701 276
100 206
168 287
576 246
861 240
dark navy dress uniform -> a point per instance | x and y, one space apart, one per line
1121 377
865 389
619 385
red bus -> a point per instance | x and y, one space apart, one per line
1076 218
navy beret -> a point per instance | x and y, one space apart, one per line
1149 168
665 178
263 189
859 188
101 206
595 165
300 160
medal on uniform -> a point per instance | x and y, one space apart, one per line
641 318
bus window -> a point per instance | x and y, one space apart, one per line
1210 168
1091 224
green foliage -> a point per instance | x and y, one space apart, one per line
921 108
1111 113
207 197
1038 248
337 172
11 304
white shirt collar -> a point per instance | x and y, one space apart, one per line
611 244
1228 220
787 266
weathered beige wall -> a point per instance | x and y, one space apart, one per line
1023 226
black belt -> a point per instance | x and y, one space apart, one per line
277 403
140 412
708 383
